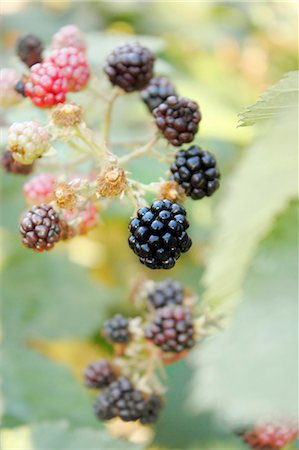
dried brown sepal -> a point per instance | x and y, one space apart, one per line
67 115
65 196
111 182
172 191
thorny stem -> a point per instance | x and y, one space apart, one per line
117 92
140 151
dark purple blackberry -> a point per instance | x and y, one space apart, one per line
12 166
172 329
29 49
117 329
158 234
157 91
120 399
20 88
168 292
178 119
99 374
152 409
196 171
130 67
40 228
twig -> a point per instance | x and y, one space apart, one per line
108 115
139 151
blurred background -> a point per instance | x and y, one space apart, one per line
223 55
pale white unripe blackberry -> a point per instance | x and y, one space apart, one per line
27 141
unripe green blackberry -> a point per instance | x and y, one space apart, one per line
177 119
157 91
196 171
29 49
172 329
120 399
167 292
40 228
130 67
99 374
27 141
117 329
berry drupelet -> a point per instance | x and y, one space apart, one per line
172 329
99 374
117 329
130 67
29 49
11 166
196 171
158 234
157 91
40 228
177 119
120 399
168 292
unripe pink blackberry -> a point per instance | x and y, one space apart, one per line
84 219
271 436
46 86
72 65
69 36
40 189
8 95
27 141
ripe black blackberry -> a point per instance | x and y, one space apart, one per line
117 329
99 374
168 292
12 166
40 228
130 67
172 329
120 399
158 234
157 91
178 119
29 49
20 88
152 409
196 171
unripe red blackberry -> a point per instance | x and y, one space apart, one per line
40 228
167 292
158 234
157 91
117 329
29 49
12 166
120 399
152 409
130 67
172 329
196 171
99 374
177 119
271 436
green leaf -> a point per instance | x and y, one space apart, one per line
276 101
260 187
249 372
59 435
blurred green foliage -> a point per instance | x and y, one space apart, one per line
223 55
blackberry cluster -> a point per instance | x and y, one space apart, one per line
157 91
271 436
120 399
40 228
196 171
130 67
172 329
12 166
152 409
117 329
29 49
168 292
99 374
178 119
158 234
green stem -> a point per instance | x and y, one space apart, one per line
139 151
108 116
